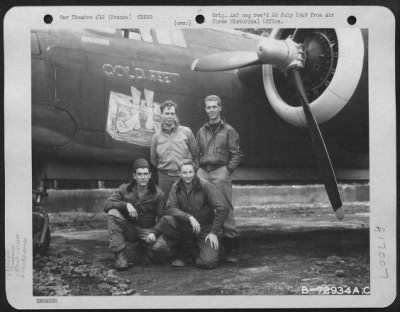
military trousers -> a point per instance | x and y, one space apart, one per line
222 180
178 232
165 182
121 230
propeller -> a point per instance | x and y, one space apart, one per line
289 57
320 151
225 61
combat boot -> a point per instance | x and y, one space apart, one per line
178 263
161 245
159 252
121 260
231 247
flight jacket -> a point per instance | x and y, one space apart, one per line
203 202
149 207
221 147
169 149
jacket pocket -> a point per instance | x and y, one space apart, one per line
222 152
221 140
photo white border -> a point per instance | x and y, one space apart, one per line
380 23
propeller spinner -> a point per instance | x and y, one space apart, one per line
289 57
281 53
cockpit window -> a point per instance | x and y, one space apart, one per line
160 35
132 33
163 36
170 36
146 34
177 38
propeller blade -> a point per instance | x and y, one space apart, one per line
320 151
225 61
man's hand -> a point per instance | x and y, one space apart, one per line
213 240
151 238
195 225
131 210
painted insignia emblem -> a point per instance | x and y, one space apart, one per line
133 119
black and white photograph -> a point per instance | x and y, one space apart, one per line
200 161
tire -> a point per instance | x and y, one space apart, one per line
41 249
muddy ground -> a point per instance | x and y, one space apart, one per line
283 252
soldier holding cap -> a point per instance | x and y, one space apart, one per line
219 156
132 212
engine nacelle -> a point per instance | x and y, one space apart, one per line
336 61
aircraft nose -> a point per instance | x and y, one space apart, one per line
52 126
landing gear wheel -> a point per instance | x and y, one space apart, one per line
41 249
40 231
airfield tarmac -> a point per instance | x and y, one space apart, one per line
284 251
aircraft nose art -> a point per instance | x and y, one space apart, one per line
52 127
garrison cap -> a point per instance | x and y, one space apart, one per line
140 163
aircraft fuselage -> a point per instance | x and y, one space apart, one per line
95 101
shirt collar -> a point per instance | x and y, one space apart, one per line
222 122
135 191
169 130
132 187
195 184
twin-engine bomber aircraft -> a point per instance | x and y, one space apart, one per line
96 97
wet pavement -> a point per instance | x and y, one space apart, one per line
283 252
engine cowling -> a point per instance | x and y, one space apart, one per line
334 63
